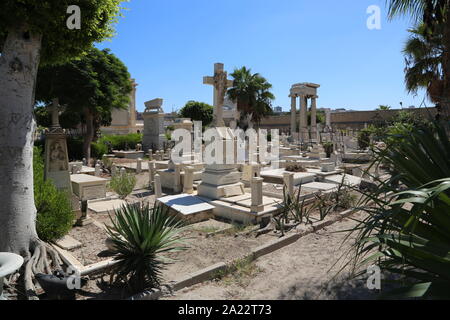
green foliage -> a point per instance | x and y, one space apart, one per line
48 18
252 94
329 148
409 230
198 111
121 142
123 184
98 150
75 148
384 108
54 209
141 235
295 207
424 55
94 85
364 138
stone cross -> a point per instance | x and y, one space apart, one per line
221 84
55 108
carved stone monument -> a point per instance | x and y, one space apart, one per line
56 156
154 136
221 180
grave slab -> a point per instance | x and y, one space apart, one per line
349 179
88 187
106 206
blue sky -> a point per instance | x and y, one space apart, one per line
169 45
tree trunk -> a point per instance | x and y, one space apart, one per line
89 134
18 70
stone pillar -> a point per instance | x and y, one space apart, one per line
150 154
188 180
113 170
177 179
139 166
123 171
293 115
288 179
314 111
303 118
157 186
257 195
328 118
151 171
154 131
97 170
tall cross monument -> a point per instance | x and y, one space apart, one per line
221 84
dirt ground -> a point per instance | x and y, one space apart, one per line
303 270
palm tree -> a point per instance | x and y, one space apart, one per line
434 14
252 94
424 62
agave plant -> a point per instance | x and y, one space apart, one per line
140 236
407 229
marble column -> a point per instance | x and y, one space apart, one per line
314 111
188 186
257 195
303 117
158 187
293 114
314 134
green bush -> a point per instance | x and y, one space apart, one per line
121 142
54 209
364 138
198 111
98 150
140 235
123 184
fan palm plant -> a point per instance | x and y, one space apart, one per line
407 233
435 16
252 94
424 54
140 236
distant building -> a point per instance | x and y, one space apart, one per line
278 110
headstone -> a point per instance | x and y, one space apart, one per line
56 154
154 131
139 166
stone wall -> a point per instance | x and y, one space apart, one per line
344 120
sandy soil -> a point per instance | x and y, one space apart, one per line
303 270
93 240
